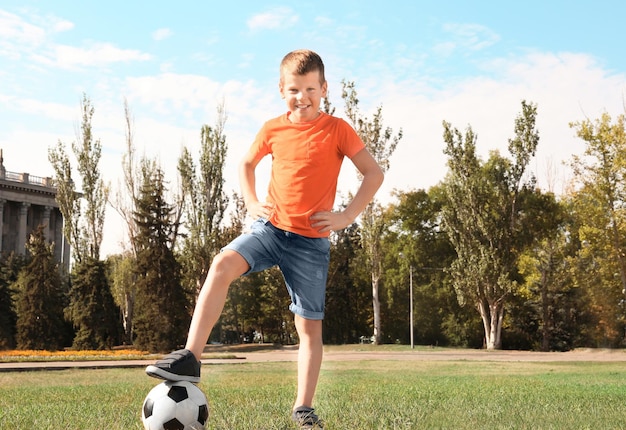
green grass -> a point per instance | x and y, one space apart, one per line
368 395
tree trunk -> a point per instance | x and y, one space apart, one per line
492 315
129 306
376 306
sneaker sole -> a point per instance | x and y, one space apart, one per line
159 373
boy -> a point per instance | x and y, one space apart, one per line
292 226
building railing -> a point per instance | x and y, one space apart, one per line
27 178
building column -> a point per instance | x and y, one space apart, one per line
65 246
2 202
21 228
46 222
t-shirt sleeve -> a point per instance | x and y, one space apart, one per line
260 146
351 143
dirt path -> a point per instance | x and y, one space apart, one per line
250 354
437 354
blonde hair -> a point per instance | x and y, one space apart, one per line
301 62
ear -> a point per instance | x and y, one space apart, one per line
280 89
324 89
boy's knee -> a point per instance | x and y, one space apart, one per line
308 327
229 263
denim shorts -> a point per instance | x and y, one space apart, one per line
302 260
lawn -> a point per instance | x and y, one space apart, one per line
367 394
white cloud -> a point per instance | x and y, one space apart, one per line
565 87
469 36
162 33
97 54
49 110
20 38
323 21
61 25
280 17
17 36
15 29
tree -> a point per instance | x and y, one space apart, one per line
10 267
347 293
90 308
204 202
601 174
381 142
122 274
123 277
162 311
82 229
482 218
40 298
546 266
415 247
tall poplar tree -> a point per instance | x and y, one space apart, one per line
204 202
91 308
381 143
483 218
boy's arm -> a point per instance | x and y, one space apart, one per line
247 181
372 180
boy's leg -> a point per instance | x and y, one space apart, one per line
183 365
226 267
310 355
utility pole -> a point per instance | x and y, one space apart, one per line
411 301
410 298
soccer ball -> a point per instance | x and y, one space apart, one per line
175 406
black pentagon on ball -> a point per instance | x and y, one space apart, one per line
173 424
147 407
203 414
177 393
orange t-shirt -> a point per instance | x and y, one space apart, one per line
306 159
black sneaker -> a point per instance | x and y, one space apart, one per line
179 365
305 417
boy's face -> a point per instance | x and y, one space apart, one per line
303 95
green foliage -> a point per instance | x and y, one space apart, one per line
91 308
348 297
601 176
123 277
162 309
10 266
204 203
40 299
83 229
415 243
381 143
483 218
259 303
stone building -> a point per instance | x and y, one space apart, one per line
26 202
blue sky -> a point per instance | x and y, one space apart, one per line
468 63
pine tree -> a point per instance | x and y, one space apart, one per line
91 308
40 299
162 309
9 269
